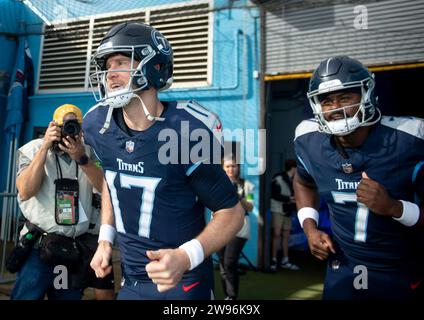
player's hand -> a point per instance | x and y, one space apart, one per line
320 244
53 134
101 259
73 146
376 198
167 267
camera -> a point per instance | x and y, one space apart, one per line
71 128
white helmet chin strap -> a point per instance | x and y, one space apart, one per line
116 99
107 121
146 112
120 101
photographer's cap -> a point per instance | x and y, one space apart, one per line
64 109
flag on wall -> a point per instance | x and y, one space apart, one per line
21 86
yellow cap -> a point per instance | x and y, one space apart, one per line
63 110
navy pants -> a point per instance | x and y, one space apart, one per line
197 284
344 282
147 290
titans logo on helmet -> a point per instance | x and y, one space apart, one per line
161 43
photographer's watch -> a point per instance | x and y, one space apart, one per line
83 160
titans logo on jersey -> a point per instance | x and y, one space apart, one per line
391 155
157 190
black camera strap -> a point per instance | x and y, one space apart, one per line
59 168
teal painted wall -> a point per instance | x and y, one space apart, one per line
15 20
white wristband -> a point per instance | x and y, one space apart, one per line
307 212
410 214
194 251
107 233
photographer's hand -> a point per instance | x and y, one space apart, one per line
52 135
76 150
73 146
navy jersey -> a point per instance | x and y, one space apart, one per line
153 179
391 155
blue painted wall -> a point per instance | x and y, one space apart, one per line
15 20
233 94
10 13
9 46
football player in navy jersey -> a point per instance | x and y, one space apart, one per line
370 170
157 182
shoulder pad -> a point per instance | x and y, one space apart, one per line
411 125
306 126
208 118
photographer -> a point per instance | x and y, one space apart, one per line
55 181
283 206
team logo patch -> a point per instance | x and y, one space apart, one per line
129 146
161 43
335 264
347 167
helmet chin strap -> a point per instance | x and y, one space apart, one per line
146 112
107 121
121 100
118 100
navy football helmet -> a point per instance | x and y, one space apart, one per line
343 73
142 43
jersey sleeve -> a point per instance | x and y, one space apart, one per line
87 131
418 173
213 187
200 129
418 181
301 147
206 140
302 169
89 126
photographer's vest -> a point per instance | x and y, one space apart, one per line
40 209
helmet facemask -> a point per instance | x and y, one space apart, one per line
364 116
118 98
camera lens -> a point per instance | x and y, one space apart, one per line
71 128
